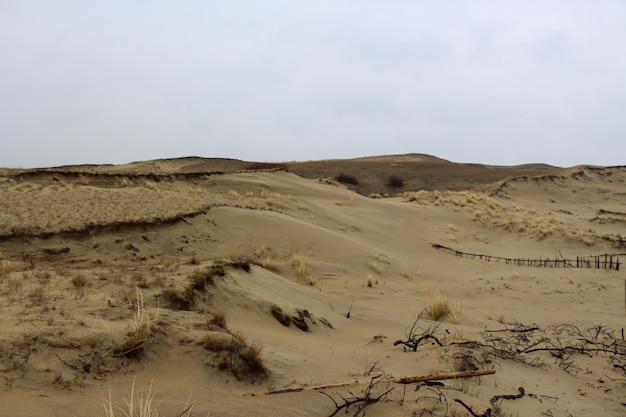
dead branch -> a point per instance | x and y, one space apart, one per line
404 380
436 398
416 336
363 400
493 400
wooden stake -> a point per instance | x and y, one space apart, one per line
404 380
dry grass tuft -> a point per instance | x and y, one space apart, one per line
6 267
218 320
178 298
138 405
271 263
234 354
456 313
220 342
79 281
140 332
438 306
268 259
300 265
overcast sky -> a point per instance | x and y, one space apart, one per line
497 82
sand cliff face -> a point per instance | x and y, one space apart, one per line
211 279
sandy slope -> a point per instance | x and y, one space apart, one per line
322 247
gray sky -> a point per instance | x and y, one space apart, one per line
499 82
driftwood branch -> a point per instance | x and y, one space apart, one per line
404 380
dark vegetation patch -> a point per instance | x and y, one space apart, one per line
258 166
347 179
302 319
419 172
280 315
395 181
199 281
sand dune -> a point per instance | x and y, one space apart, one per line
201 252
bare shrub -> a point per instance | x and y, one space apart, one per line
395 181
347 179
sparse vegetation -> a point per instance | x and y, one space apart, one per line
159 232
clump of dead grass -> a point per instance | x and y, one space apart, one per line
440 307
79 281
140 331
7 267
267 258
300 264
218 319
233 353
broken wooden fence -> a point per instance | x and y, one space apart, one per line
606 261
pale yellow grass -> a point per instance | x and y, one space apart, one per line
496 213
138 405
